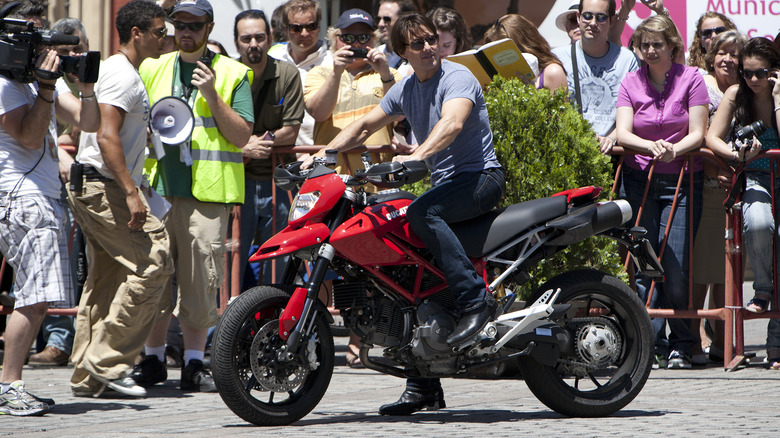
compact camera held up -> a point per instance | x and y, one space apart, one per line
21 42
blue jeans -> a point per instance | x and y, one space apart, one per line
463 197
58 331
673 292
758 228
256 216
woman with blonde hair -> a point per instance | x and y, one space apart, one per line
707 27
528 39
662 114
709 269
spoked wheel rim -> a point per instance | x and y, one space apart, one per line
256 376
591 376
258 333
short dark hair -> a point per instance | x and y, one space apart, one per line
406 27
255 14
610 9
136 13
29 8
404 6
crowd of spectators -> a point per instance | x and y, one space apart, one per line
293 83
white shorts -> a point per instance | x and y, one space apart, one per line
34 241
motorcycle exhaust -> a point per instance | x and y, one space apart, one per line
582 223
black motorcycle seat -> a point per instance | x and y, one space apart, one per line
484 234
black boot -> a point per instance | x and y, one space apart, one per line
471 323
412 401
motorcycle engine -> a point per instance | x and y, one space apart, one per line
434 324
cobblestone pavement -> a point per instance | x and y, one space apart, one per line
674 403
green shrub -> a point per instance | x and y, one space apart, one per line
546 147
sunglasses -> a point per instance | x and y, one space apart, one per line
709 33
387 20
195 27
298 28
657 45
418 45
599 16
349 38
761 73
159 32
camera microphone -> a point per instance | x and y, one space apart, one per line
59 39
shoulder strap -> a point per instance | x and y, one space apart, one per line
576 73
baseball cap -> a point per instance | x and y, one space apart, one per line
194 7
563 17
353 16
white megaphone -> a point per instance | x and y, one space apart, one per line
171 118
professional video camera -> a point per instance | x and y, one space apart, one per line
20 44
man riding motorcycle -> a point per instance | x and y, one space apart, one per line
444 105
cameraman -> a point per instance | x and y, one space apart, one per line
33 238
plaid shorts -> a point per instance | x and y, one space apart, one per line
34 241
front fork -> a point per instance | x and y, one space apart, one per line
301 306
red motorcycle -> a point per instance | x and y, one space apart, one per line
583 347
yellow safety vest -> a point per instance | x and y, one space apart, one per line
217 165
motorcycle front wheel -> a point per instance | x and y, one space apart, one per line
612 338
254 380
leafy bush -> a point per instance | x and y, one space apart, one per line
546 146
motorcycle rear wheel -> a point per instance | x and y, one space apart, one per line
612 305
246 339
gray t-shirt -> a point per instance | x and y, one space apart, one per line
599 82
421 104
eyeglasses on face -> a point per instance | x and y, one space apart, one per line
298 28
349 38
246 39
194 27
709 33
386 19
761 73
600 16
418 45
159 32
657 45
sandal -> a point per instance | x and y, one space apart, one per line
757 305
353 361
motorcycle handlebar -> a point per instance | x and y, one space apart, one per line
387 175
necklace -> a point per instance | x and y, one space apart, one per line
128 58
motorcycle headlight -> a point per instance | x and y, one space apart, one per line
302 204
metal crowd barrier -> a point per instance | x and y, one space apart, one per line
733 314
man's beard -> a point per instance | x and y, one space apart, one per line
254 57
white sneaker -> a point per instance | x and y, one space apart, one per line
125 385
16 401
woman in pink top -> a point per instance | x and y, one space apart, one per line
662 114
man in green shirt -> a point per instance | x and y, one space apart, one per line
278 98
